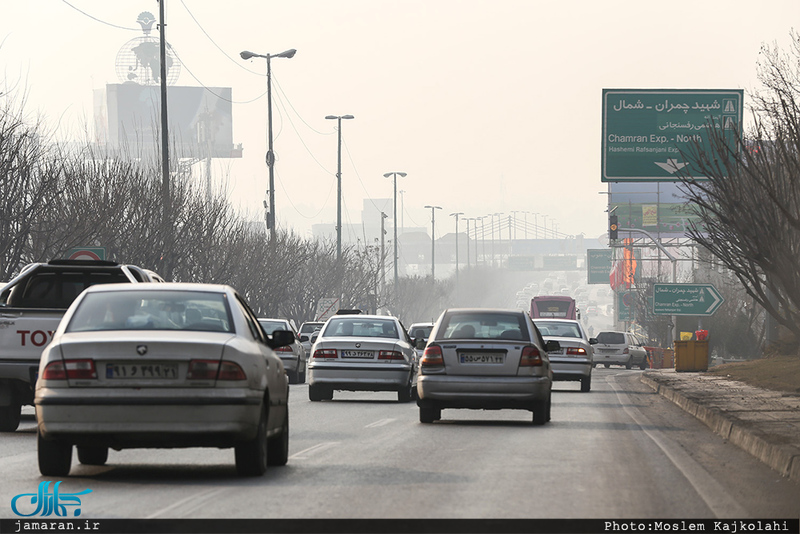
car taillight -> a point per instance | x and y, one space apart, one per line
577 351
325 353
214 370
390 355
432 357
626 351
530 357
284 349
73 369
231 371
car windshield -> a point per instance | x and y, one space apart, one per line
483 325
611 338
359 327
152 310
308 328
270 326
420 331
557 329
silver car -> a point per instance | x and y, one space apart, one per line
293 355
574 360
160 365
620 348
307 330
485 359
362 353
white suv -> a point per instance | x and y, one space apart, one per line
620 348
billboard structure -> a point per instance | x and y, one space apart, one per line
127 115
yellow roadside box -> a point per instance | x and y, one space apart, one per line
686 336
691 355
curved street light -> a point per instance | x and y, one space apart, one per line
246 54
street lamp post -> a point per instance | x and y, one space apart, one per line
339 118
433 239
498 232
270 154
456 216
394 221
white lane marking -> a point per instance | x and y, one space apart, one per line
316 448
380 422
715 496
197 500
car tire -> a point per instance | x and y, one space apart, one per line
586 383
278 446
93 455
292 375
10 416
405 394
301 377
629 363
429 414
643 365
55 457
319 393
251 455
607 365
540 412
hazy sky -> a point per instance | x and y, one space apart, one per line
488 105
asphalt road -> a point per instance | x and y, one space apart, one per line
619 451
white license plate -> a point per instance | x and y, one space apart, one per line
142 370
482 358
366 354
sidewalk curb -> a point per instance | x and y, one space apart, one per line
785 459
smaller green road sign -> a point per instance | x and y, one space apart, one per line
686 299
598 265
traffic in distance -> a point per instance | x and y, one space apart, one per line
112 357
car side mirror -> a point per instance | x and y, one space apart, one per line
280 338
419 343
314 337
592 341
303 338
552 345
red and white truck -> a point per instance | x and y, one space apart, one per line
31 306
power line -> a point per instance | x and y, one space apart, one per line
204 86
98 20
237 62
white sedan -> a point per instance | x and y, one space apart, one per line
161 365
362 353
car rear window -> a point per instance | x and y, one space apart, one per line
557 329
57 289
611 338
152 310
484 325
359 327
271 326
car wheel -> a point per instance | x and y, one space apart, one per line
93 455
586 383
429 414
10 416
607 365
251 456
540 412
643 365
314 393
629 363
292 376
278 447
405 394
55 457
301 377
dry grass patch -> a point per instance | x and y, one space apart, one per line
778 373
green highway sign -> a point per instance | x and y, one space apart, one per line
598 266
686 299
645 130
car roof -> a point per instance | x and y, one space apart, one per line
361 317
160 286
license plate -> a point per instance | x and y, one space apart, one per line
482 358
367 354
142 370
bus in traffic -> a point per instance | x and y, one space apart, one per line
554 307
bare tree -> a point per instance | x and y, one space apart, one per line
749 207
